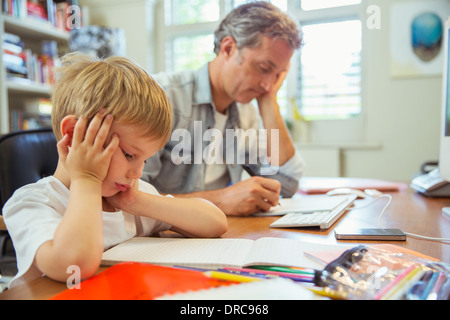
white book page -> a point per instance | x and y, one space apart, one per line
286 252
205 253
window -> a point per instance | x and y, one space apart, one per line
189 51
329 76
330 70
322 4
282 4
189 28
187 12
188 33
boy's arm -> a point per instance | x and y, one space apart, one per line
192 217
78 239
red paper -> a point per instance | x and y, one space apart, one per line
138 281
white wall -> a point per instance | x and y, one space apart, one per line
135 17
399 127
402 115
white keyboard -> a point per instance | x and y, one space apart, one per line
322 219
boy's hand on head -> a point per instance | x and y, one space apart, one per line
89 157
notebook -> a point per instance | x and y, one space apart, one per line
305 204
215 253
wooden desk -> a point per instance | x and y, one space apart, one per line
408 211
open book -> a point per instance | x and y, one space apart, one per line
215 253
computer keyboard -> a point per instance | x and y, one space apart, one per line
322 219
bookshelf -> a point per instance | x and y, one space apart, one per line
15 91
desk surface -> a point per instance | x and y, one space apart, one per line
408 211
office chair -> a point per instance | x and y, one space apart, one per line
25 157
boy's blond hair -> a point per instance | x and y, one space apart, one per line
86 85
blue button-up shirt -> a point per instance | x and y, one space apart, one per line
179 167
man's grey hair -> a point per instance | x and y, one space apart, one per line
248 22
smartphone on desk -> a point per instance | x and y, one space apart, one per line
370 234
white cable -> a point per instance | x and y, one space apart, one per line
384 210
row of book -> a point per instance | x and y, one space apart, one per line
23 65
55 12
34 115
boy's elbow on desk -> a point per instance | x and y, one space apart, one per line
55 262
218 223
86 265
220 229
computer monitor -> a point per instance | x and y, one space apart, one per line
444 154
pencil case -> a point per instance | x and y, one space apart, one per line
368 273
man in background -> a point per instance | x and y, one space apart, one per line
253 46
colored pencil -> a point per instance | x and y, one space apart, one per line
437 287
404 284
230 276
292 276
285 269
388 287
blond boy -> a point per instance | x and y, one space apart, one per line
108 117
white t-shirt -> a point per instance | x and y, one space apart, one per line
34 212
217 173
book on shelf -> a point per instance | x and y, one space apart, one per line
37 10
20 121
14 55
22 63
56 13
35 114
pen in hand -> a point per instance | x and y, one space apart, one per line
252 173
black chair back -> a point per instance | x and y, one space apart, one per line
25 157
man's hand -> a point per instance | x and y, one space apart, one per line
249 196
271 95
272 120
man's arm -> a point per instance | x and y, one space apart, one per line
243 198
269 109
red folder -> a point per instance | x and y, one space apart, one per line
139 281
